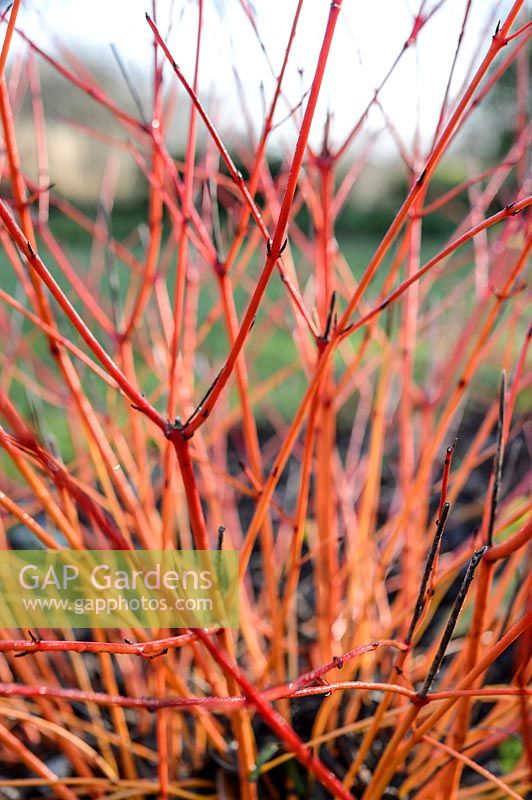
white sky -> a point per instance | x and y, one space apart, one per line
368 37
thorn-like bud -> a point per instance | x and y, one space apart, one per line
221 532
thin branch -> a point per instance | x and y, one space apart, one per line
453 619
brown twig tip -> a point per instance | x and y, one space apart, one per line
477 557
446 473
240 462
422 596
36 640
221 532
330 314
497 461
504 40
202 402
453 619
